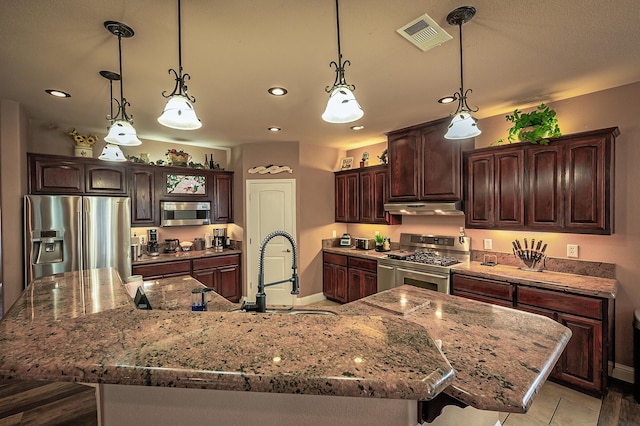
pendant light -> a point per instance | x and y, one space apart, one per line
179 112
122 131
342 106
111 152
463 125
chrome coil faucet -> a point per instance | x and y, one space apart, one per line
261 298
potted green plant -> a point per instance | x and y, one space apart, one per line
535 126
379 242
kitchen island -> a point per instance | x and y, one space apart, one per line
374 359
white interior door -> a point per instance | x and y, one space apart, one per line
271 206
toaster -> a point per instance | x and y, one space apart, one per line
365 243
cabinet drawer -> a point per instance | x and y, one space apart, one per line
562 302
173 268
215 261
494 289
336 259
366 264
481 298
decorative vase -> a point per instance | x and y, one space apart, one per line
83 151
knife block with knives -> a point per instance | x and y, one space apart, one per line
532 257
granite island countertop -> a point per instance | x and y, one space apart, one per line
83 327
380 346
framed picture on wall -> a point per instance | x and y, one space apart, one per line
346 163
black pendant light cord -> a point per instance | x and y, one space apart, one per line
180 87
340 79
461 68
119 30
458 17
180 35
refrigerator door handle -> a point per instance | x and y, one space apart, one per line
80 216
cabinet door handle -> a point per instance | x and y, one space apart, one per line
287 251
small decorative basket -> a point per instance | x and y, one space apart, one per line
178 158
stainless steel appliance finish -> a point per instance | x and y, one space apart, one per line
180 213
345 240
423 261
153 248
426 208
219 238
365 243
70 233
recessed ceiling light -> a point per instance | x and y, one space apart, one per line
357 127
447 99
277 91
58 93
274 129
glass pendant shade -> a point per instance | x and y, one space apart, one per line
112 153
122 133
179 114
462 126
342 106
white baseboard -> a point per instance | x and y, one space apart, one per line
307 300
621 372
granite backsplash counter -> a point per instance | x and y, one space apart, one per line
182 255
580 284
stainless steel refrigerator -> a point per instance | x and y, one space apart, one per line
66 233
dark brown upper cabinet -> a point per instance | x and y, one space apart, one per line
55 175
566 186
360 195
425 166
107 179
146 185
144 210
222 197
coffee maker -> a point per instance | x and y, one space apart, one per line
152 243
219 238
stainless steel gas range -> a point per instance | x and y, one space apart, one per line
424 261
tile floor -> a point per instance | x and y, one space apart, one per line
557 405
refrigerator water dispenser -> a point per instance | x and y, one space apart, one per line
47 247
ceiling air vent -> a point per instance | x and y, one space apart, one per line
424 33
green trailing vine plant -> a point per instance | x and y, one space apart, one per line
535 126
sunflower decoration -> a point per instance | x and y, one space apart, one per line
82 140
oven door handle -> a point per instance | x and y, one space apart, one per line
441 277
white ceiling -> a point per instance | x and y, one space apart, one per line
516 54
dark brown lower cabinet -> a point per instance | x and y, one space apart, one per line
363 278
221 273
163 270
495 292
334 277
583 364
348 278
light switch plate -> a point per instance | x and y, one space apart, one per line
488 244
572 250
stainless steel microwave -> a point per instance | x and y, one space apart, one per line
180 213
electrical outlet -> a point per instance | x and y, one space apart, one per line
488 244
572 250
333 233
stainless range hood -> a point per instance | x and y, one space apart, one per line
426 208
